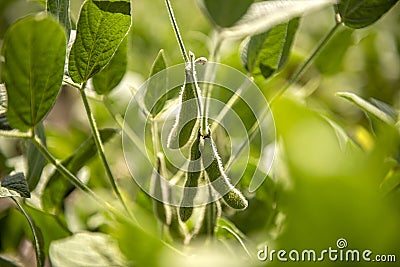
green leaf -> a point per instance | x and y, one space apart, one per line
265 15
268 52
60 10
157 85
390 183
109 77
34 51
14 185
101 28
367 107
362 13
7 263
35 159
330 60
54 228
86 249
57 187
225 13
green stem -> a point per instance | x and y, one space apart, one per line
303 68
35 234
15 134
211 73
300 71
176 30
63 170
100 148
193 76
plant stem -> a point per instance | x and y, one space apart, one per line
100 148
302 69
176 30
193 79
124 127
15 134
35 234
211 73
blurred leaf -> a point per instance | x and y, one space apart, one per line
390 183
101 28
34 51
109 77
35 159
157 85
14 185
4 124
389 110
330 60
57 187
7 263
86 249
360 13
140 246
225 13
268 52
367 107
60 10
262 16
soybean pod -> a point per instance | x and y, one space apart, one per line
159 191
192 181
216 174
212 211
187 118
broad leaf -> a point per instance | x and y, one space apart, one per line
101 28
330 60
225 13
109 77
268 52
60 10
86 249
367 107
362 13
157 85
53 227
262 16
57 188
35 159
34 52
14 186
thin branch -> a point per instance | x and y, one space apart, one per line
100 148
176 30
35 234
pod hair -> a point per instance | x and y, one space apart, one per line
186 122
216 174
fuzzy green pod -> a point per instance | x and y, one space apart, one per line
158 189
192 181
212 211
186 122
216 174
